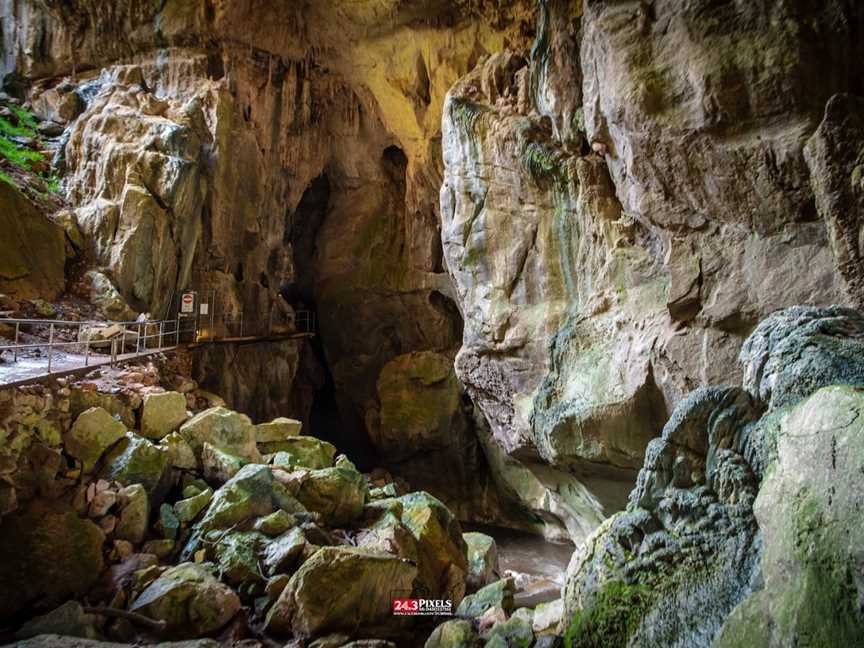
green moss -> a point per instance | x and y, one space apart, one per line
466 115
613 616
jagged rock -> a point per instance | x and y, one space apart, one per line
180 454
278 429
340 588
92 433
188 509
457 633
219 466
808 510
495 595
161 547
162 414
223 429
69 620
102 503
168 524
515 632
134 513
387 534
301 452
118 405
482 560
134 460
441 551
281 553
237 556
337 494
247 495
189 599
105 297
547 617
797 350
276 523
32 253
47 555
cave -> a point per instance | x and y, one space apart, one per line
532 324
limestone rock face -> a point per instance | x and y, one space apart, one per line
134 175
32 253
807 509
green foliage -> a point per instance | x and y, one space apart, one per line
18 155
538 162
611 619
578 120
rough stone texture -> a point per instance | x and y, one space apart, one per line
223 429
482 560
46 556
162 414
134 460
340 589
32 253
808 510
189 599
92 433
797 350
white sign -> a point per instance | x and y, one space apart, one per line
205 308
187 303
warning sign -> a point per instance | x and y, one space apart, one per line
187 303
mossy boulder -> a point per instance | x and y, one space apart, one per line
337 494
188 509
180 454
441 551
68 620
134 513
278 429
189 599
224 429
516 632
482 560
340 589
162 414
302 452
809 512
247 495
134 460
92 433
457 633
237 556
47 555
276 523
281 553
219 466
495 595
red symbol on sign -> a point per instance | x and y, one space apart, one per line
186 302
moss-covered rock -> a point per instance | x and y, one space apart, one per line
162 414
134 460
441 551
456 633
247 495
47 555
92 433
276 523
301 452
223 429
340 589
189 599
134 513
482 560
278 429
809 512
337 494
495 595
516 631
188 509
219 465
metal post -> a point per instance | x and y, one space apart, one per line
161 328
123 343
17 330
241 323
87 352
138 343
50 345
177 323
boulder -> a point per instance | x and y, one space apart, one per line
189 508
441 551
92 433
808 510
456 633
547 617
276 523
104 295
482 560
387 534
47 555
278 429
515 632
134 460
180 454
69 620
340 589
162 414
134 513
247 495
223 429
219 466
337 494
302 452
189 599
280 554
237 556
495 595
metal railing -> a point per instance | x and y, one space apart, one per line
242 326
139 333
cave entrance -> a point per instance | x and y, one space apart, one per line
325 420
